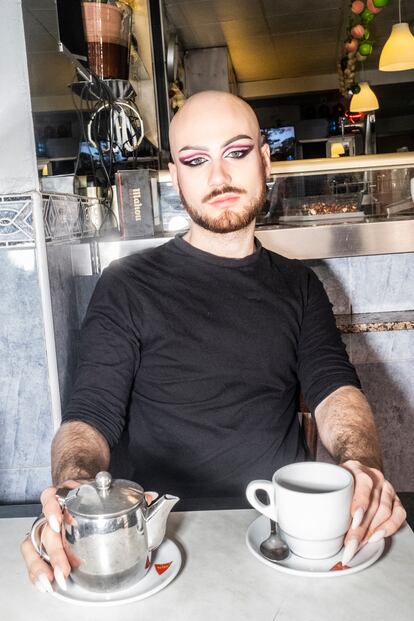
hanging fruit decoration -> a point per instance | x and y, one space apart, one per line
358 44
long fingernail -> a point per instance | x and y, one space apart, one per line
39 586
54 524
377 536
60 578
349 551
358 517
43 580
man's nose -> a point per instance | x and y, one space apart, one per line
219 175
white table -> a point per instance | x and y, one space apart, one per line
220 580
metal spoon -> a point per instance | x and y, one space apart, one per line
274 548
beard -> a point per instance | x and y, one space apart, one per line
229 220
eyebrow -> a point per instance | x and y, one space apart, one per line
198 148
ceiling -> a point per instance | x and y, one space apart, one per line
49 71
267 39
277 39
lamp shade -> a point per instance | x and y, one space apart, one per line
365 100
398 52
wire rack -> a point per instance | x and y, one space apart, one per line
69 217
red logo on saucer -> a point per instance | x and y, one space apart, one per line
339 567
162 567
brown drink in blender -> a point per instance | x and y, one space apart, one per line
107 32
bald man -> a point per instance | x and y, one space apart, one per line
193 354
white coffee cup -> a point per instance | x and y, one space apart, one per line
311 503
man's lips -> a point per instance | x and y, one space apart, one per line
224 199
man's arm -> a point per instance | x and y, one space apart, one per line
347 429
79 452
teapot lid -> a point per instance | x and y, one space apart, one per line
104 497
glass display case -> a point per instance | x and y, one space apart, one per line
344 206
315 209
355 189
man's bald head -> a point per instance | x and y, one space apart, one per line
220 164
212 111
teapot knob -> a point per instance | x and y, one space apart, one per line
103 481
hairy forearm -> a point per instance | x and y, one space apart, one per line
347 429
78 452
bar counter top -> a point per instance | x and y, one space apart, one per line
220 579
375 322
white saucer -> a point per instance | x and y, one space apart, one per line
165 565
325 568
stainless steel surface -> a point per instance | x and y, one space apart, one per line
36 536
383 161
109 531
80 254
274 548
111 250
58 183
304 242
95 261
104 497
106 553
340 240
156 519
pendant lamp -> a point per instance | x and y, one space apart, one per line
398 52
365 100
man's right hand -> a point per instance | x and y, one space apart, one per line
42 573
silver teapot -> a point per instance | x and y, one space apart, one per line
108 531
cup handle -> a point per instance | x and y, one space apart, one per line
36 537
267 486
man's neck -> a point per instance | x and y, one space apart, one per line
235 245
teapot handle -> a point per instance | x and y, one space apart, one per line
39 523
36 537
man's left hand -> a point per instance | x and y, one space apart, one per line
376 510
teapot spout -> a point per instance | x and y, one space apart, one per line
156 519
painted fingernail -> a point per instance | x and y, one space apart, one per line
349 551
54 524
358 517
39 586
377 536
43 580
60 578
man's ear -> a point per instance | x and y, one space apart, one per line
265 150
173 172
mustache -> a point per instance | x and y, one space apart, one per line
225 189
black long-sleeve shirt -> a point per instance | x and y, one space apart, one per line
191 366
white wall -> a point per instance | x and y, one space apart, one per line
18 170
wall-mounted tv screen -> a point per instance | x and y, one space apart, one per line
281 141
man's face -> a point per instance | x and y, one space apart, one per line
219 165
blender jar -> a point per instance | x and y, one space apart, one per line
107 27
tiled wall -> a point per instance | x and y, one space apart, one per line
368 284
384 360
25 418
